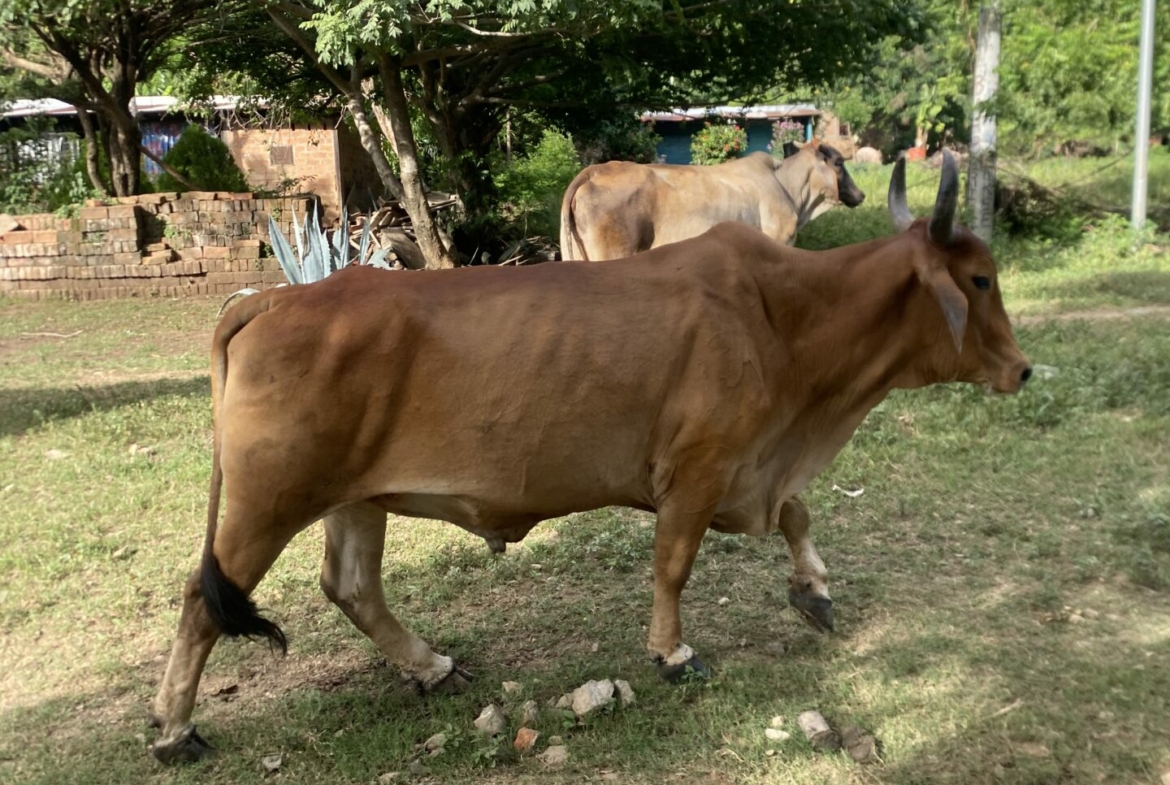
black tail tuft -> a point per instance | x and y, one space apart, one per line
232 611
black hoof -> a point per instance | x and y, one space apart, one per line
816 610
684 671
187 747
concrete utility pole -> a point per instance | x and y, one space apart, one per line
981 171
1141 141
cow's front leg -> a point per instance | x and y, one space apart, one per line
808 588
676 543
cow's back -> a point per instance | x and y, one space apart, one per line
617 209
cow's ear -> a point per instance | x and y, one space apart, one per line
937 279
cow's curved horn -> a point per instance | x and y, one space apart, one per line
899 212
942 220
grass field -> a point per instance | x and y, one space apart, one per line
1002 586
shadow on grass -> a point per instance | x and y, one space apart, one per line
24 409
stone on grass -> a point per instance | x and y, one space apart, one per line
271 763
491 720
513 687
434 744
388 778
818 732
529 713
1166 777
591 696
625 692
555 741
554 757
775 734
525 740
861 746
777 721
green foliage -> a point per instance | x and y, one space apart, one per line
530 189
718 142
622 137
205 161
33 177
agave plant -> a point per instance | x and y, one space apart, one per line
317 255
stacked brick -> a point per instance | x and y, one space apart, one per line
155 245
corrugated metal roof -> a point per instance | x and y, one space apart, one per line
143 104
758 112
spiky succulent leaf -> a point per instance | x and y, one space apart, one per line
284 253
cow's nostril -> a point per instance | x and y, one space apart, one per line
1025 375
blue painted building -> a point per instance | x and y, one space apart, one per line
676 127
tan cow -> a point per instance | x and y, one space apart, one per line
618 209
707 381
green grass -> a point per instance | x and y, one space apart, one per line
1002 586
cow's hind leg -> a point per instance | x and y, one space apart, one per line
245 547
808 588
352 578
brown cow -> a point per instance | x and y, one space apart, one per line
618 209
707 381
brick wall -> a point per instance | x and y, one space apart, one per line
152 245
329 162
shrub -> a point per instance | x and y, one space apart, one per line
205 161
530 189
784 133
618 139
715 144
36 174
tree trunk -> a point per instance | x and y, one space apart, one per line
125 158
370 141
981 174
92 166
414 196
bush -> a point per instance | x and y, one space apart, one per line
618 139
718 143
530 189
205 161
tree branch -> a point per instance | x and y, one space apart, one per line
54 73
172 171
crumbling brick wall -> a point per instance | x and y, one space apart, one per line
152 245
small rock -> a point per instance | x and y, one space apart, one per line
564 702
555 741
140 738
777 721
272 763
818 732
724 600
862 746
1166 777
435 743
529 713
769 753
595 648
525 740
56 455
1089 613
775 648
1075 618
776 734
513 687
491 720
591 696
554 757
625 692
388 778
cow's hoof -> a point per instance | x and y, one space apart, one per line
679 673
185 747
814 609
454 683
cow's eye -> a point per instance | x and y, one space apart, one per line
981 282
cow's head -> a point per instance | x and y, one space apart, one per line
828 177
955 268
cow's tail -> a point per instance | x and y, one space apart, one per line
227 604
571 245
